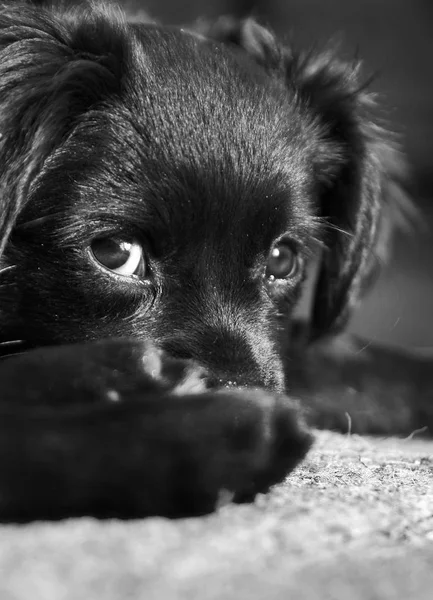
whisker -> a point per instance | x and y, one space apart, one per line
333 227
11 348
2 356
8 268
323 222
318 243
11 342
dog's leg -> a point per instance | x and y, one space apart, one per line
78 437
346 383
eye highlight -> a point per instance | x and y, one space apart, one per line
282 262
119 256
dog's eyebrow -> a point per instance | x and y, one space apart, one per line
170 206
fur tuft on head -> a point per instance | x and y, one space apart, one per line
53 67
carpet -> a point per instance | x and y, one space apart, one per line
355 521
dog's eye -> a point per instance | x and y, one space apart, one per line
120 256
282 262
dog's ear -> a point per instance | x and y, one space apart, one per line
54 66
361 173
360 170
356 166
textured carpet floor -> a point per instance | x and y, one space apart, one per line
354 522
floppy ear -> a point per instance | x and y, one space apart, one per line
53 67
356 166
360 172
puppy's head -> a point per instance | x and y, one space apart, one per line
169 185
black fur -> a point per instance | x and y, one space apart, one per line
207 148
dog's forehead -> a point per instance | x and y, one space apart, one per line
212 121
199 137
192 88
174 57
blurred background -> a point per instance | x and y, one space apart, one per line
395 39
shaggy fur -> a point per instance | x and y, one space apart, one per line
221 158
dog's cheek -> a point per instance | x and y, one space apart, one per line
52 298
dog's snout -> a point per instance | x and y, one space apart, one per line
229 358
221 350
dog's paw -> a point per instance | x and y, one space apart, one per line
234 446
105 371
156 454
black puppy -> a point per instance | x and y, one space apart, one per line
167 187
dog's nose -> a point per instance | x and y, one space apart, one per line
224 360
223 350
227 358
